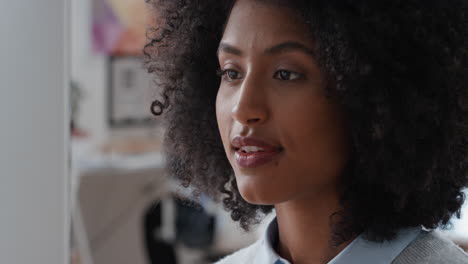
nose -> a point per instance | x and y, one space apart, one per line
251 106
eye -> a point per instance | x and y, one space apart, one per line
286 75
229 74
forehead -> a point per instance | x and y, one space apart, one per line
260 22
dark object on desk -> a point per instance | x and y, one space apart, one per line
159 251
194 226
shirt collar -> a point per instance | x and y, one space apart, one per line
359 251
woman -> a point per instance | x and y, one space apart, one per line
348 118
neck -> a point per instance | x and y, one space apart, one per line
304 229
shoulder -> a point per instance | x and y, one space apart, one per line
432 247
243 255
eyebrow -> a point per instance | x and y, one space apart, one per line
287 46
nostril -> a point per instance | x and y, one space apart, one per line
253 120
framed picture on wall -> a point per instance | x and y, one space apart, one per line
131 92
118 26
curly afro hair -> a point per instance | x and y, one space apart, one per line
399 68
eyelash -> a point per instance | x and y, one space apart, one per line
222 74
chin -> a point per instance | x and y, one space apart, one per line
257 193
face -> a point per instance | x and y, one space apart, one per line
283 137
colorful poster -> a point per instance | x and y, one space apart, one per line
119 26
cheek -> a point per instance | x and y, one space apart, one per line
314 136
223 118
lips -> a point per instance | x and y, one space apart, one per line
238 142
255 159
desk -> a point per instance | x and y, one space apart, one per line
110 194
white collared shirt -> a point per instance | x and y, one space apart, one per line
359 251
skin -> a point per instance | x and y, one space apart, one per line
277 93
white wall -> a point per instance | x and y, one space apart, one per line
89 71
34 209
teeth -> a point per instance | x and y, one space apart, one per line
251 149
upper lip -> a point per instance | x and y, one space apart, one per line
239 141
